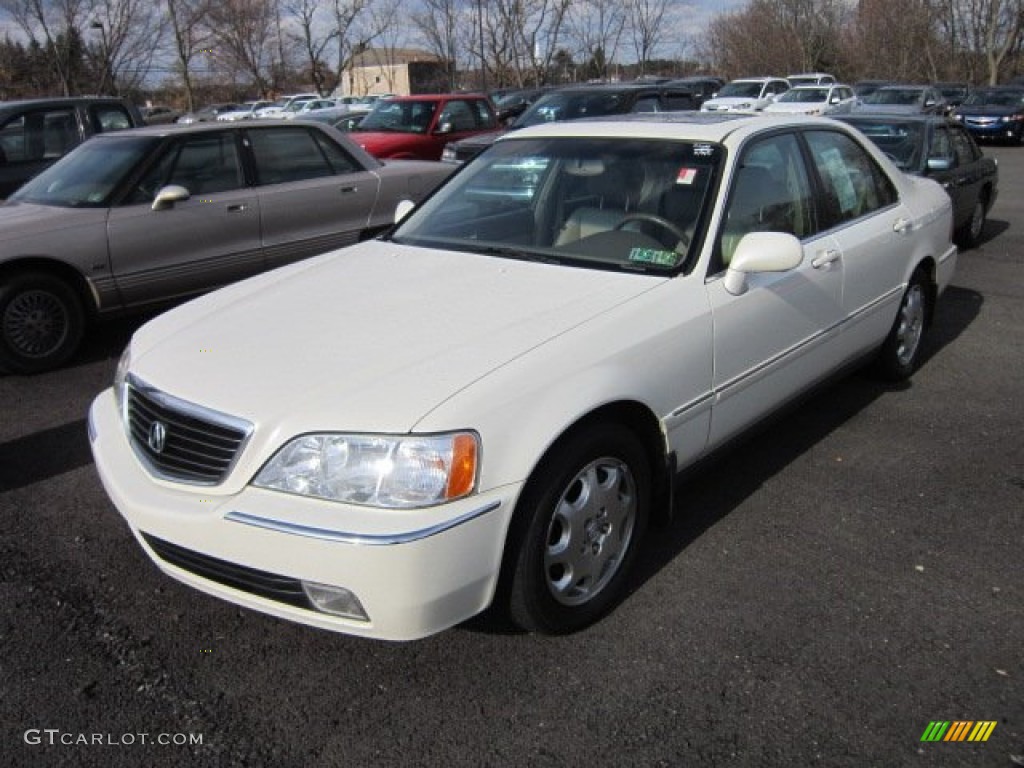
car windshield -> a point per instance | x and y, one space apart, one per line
400 116
900 96
902 141
741 90
87 176
569 106
995 98
620 204
805 95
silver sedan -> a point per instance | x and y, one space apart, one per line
131 219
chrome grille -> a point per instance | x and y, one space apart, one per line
181 441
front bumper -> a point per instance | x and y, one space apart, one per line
991 128
415 572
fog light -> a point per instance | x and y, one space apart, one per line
336 600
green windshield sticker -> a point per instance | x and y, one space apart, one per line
653 256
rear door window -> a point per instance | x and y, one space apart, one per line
43 134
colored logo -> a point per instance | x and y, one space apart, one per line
958 730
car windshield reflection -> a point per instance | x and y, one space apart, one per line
635 205
88 176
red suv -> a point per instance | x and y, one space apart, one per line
420 126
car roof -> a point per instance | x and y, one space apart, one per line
174 129
711 127
895 118
59 101
435 96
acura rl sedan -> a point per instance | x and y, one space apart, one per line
134 218
486 406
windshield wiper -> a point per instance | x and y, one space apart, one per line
506 252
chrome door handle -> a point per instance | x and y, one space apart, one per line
237 207
902 226
825 258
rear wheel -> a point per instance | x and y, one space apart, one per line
900 353
41 322
585 512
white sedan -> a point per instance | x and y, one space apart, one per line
835 99
487 406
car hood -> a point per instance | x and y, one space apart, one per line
20 220
727 102
369 338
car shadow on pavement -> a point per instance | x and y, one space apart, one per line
709 491
993 229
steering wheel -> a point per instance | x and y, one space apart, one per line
665 224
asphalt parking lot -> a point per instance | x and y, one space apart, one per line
828 589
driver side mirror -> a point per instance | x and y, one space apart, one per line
168 196
940 163
402 209
761 252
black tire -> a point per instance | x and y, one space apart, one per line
969 235
41 322
584 513
900 354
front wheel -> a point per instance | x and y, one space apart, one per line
585 511
900 353
41 323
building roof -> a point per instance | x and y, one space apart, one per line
378 57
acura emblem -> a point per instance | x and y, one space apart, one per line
157 437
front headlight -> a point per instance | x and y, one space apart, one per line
392 471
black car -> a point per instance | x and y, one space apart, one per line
573 102
995 113
702 87
34 133
942 150
511 104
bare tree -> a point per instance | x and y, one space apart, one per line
992 27
130 34
596 28
440 23
189 37
389 36
244 34
647 26
535 26
54 25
